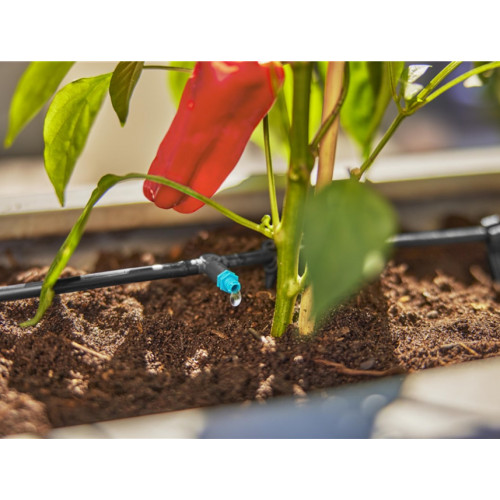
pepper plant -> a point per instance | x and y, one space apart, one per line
330 237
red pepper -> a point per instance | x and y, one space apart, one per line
222 104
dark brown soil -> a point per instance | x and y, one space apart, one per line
175 344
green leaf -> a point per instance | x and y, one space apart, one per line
347 225
67 249
36 86
124 79
367 99
75 235
67 125
177 79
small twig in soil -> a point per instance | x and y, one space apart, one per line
352 371
268 294
461 344
469 349
473 342
254 333
219 334
90 351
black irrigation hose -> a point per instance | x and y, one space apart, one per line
488 232
209 264
216 266
440 237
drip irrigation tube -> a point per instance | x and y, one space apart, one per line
488 232
210 264
216 267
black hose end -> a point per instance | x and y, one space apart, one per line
492 226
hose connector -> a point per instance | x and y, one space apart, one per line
225 279
228 282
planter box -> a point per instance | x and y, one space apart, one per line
460 401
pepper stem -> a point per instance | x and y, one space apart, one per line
288 233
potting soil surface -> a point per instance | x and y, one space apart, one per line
174 344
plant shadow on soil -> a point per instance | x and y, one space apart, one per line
175 344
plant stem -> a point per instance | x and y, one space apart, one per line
168 68
390 131
437 80
335 86
334 113
461 78
270 175
208 201
288 234
334 91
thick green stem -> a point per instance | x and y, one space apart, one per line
288 234
287 239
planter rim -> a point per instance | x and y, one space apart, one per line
401 178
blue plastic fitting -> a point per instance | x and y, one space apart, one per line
228 282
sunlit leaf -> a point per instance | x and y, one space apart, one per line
411 90
345 240
473 81
177 79
415 71
36 86
410 75
367 99
67 125
124 79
